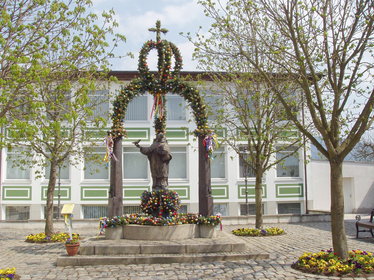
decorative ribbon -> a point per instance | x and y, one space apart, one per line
109 149
102 225
210 143
68 224
158 105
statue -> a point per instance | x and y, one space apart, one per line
159 157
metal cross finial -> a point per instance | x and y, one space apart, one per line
158 30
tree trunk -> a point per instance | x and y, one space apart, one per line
205 191
49 230
115 201
339 239
258 198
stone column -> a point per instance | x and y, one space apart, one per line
115 201
205 191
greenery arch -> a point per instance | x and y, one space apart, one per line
158 84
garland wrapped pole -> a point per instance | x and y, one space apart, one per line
115 201
205 190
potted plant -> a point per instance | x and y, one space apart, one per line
72 246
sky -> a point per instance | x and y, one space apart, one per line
136 16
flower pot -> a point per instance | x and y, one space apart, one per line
113 233
72 249
207 231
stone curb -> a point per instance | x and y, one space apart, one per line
155 259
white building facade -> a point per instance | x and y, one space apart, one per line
23 196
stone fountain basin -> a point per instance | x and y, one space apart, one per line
160 233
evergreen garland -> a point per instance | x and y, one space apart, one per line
159 83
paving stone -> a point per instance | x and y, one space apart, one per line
38 261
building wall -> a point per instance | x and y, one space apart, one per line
358 184
281 194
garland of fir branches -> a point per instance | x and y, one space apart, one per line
162 82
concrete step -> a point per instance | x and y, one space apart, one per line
213 246
83 260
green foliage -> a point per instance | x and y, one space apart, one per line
52 65
175 219
158 85
308 43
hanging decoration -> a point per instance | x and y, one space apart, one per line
109 149
210 143
158 107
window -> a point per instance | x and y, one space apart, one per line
99 104
132 209
94 211
214 104
64 171
289 208
22 107
178 164
251 209
135 164
289 167
176 108
244 166
137 110
58 103
220 209
94 165
17 213
218 163
14 169
55 212
182 209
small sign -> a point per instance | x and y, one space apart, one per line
67 209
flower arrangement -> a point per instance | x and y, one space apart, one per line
161 203
175 219
327 262
7 273
42 238
258 232
211 220
74 240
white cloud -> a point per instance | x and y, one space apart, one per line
186 50
136 26
136 17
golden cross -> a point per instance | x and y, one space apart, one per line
158 30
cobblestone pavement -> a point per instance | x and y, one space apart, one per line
38 261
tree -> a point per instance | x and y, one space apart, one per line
55 76
257 127
364 151
327 46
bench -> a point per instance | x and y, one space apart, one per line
369 225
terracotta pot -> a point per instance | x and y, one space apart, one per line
72 249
